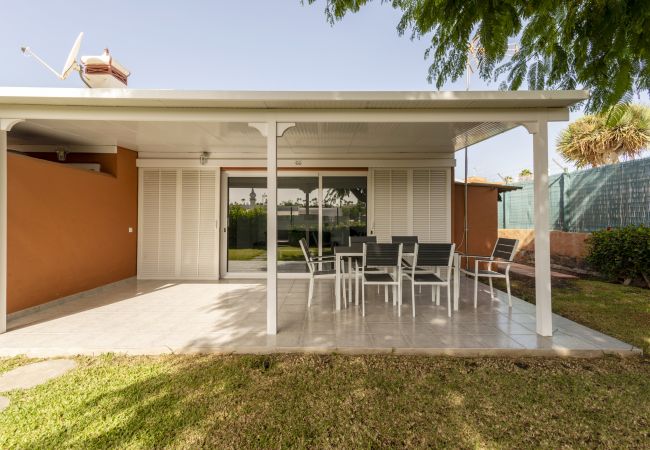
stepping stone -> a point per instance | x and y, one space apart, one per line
4 402
31 375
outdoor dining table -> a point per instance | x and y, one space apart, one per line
356 250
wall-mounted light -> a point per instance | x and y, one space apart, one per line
61 154
203 159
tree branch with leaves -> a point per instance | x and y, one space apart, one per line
598 45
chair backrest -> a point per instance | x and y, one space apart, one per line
362 239
306 254
408 241
404 239
382 255
433 255
505 249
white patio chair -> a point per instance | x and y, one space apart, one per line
382 256
502 254
316 272
357 263
428 259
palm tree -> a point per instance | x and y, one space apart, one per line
525 175
623 131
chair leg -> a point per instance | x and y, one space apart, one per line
419 289
475 291
433 294
491 289
508 288
437 295
449 299
399 300
363 299
356 288
385 293
413 296
350 278
311 292
394 295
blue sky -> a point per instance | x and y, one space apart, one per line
242 45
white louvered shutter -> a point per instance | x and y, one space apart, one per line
179 230
158 228
412 202
390 208
199 224
431 205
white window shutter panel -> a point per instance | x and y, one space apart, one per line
198 223
399 201
179 233
208 230
190 217
381 207
440 205
412 202
421 205
158 247
390 198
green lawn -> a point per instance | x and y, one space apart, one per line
334 401
247 254
619 311
244 254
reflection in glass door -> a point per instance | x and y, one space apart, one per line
344 212
246 224
297 219
345 201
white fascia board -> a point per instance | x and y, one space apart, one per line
242 115
271 99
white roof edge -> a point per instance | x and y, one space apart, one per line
170 97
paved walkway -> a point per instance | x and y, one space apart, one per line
529 271
152 317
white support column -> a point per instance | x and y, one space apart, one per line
272 130
543 311
5 127
272 229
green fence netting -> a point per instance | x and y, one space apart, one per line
611 196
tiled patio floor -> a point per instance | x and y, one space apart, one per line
151 317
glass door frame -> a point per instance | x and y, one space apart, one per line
223 232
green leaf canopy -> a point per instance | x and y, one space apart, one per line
600 45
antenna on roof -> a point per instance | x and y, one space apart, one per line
565 169
95 71
70 62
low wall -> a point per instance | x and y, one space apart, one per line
567 249
68 228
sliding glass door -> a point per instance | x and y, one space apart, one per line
323 208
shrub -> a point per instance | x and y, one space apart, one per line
621 254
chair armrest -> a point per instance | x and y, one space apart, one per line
322 258
501 261
481 257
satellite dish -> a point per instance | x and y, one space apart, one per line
71 61
95 71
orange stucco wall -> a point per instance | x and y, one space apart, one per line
68 229
482 202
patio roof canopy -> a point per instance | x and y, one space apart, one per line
168 124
